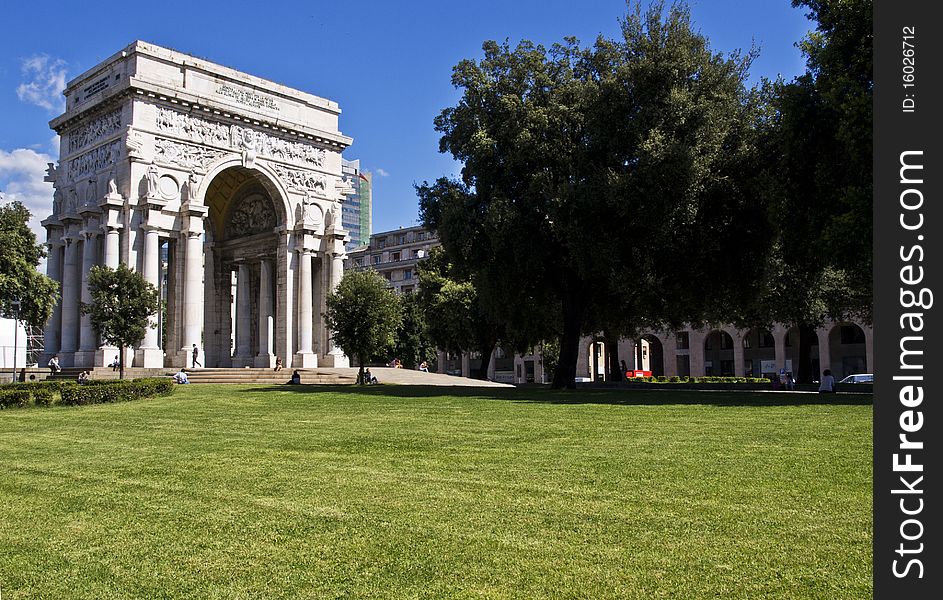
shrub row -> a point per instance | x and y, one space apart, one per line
116 391
43 393
707 379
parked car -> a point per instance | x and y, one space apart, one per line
859 378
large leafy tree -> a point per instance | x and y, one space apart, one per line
819 144
364 314
608 185
19 279
122 308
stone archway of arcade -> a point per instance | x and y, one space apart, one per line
843 347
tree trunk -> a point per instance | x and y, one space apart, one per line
612 345
360 379
121 362
573 312
485 349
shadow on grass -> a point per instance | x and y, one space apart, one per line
583 395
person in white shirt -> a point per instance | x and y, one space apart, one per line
181 377
827 385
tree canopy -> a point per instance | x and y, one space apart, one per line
122 306
19 279
820 146
364 315
602 185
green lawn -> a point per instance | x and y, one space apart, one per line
402 492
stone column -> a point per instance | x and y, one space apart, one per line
71 289
825 351
335 356
112 250
466 364
149 355
440 361
52 337
266 356
779 343
305 356
738 360
193 295
88 337
243 355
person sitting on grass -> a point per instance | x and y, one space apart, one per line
83 377
295 378
368 377
181 376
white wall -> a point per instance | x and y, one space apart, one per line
6 345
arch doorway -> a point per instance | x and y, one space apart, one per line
244 270
649 355
848 355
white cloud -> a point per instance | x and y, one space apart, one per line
382 172
21 178
44 81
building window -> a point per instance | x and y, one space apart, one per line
381 243
407 274
747 342
359 262
402 239
683 340
394 257
376 259
726 342
388 275
766 340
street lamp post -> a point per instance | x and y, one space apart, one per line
16 332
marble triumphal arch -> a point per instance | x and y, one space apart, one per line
221 188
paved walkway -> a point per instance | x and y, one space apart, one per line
412 377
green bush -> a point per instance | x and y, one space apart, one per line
42 396
101 392
13 397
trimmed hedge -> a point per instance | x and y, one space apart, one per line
119 390
708 379
43 393
14 398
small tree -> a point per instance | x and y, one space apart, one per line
413 343
364 315
122 306
19 279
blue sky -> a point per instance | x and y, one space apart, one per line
387 64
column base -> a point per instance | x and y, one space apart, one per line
305 360
149 358
265 361
337 361
241 362
87 358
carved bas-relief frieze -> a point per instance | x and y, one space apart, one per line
96 160
252 215
185 156
302 180
242 139
95 130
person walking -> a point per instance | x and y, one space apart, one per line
827 385
196 355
